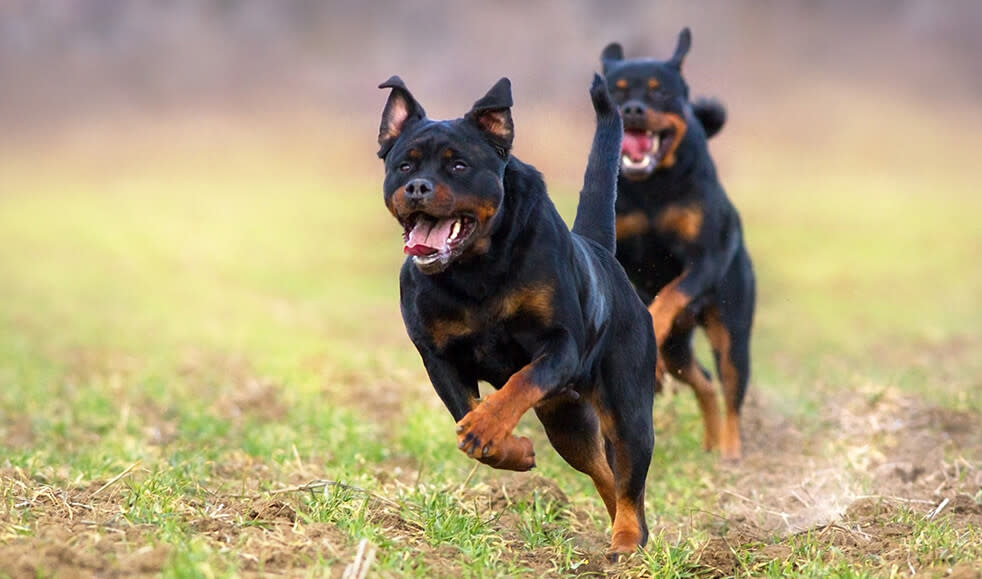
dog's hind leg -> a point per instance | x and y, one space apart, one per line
682 364
728 326
574 431
731 348
624 409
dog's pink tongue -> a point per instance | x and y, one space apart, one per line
636 145
428 237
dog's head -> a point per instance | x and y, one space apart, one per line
652 96
443 179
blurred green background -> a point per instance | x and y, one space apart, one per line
180 180
195 261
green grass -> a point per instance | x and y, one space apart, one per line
233 328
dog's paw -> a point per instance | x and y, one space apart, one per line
602 103
482 434
512 453
623 546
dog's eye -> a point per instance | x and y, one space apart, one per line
405 167
458 166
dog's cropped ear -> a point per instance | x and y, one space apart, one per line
612 54
492 115
682 48
401 111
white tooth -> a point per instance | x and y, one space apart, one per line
655 143
642 164
426 259
455 230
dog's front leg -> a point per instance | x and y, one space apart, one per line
458 392
485 433
699 276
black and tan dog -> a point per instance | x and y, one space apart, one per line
497 289
678 236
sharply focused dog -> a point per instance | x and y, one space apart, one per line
678 236
497 289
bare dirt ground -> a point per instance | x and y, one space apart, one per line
856 483
844 484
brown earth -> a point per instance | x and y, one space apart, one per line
876 458
878 461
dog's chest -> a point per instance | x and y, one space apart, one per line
681 221
490 324
497 337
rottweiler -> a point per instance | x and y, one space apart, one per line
496 288
678 235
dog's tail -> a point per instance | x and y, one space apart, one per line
595 212
711 114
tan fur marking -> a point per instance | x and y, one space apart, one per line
631 224
706 397
680 128
535 300
719 338
730 445
604 478
658 121
488 427
664 308
481 246
626 526
621 83
444 330
626 529
652 83
441 204
684 221
443 201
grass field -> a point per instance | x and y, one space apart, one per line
203 373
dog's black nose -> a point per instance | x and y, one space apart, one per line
419 189
633 111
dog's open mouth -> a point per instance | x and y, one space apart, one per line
433 242
643 150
